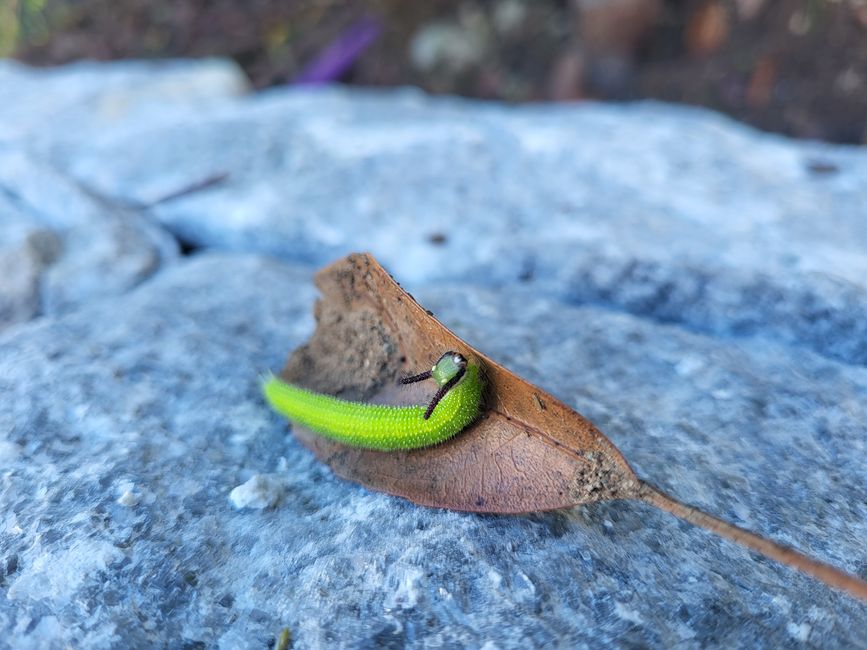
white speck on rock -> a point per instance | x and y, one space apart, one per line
261 491
799 631
128 499
58 575
128 495
496 578
782 603
627 614
407 591
9 451
689 365
10 525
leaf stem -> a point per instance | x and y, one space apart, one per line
828 574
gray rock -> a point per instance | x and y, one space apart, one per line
98 247
21 268
127 424
61 247
75 102
672 213
26 248
696 288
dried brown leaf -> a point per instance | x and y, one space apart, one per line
528 453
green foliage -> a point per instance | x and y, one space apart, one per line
22 22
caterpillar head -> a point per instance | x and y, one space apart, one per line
450 365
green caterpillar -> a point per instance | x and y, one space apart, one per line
455 406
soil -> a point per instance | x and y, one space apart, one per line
797 67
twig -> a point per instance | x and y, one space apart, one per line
828 574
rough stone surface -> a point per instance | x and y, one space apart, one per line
129 424
73 103
672 213
697 289
62 245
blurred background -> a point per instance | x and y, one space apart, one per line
694 287
797 67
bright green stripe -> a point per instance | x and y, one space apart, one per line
376 426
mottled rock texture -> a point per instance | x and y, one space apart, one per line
130 422
60 244
61 247
672 213
697 289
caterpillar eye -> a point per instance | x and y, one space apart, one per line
459 360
